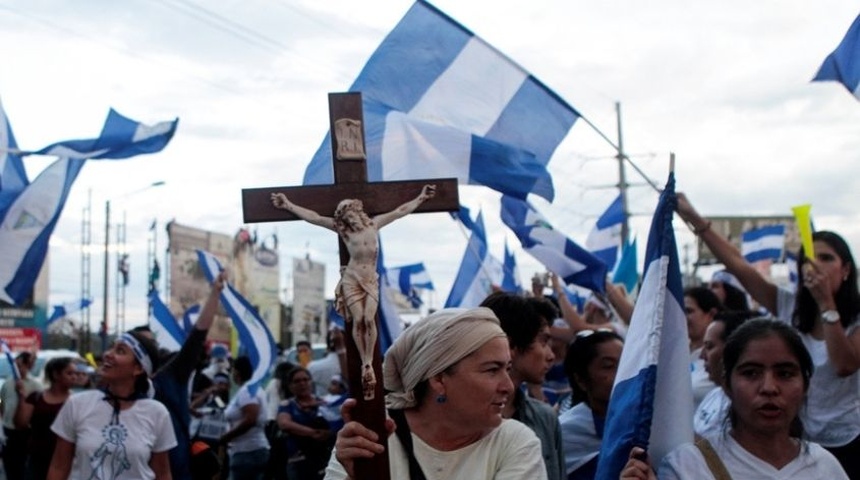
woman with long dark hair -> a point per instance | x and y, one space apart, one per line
768 373
246 439
118 431
824 309
38 411
591 364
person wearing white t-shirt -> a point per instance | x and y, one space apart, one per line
824 309
246 439
700 306
117 432
768 373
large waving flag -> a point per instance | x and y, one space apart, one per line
13 176
121 137
550 247
67 308
458 106
843 65
168 333
511 275
410 280
652 400
478 270
765 243
605 239
27 226
254 334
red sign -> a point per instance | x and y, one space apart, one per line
22 339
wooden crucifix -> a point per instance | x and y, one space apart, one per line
355 209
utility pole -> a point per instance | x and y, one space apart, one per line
622 180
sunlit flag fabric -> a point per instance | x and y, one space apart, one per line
27 224
551 248
478 270
13 176
652 400
605 239
511 276
843 65
168 333
765 243
458 106
67 308
254 334
410 280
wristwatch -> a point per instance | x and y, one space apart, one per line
830 316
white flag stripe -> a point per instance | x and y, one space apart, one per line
445 151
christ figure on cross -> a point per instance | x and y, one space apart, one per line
357 293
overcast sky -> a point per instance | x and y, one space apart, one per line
724 85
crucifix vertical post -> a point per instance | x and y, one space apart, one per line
383 202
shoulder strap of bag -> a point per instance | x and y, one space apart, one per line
405 436
717 467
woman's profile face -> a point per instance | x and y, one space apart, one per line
712 351
479 387
766 387
67 377
697 319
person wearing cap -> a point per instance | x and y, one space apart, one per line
729 290
116 431
448 384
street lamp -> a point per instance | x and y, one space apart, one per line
104 326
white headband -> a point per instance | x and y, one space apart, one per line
139 353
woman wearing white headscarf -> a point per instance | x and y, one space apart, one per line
447 383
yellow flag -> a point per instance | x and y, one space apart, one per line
91 359
804 227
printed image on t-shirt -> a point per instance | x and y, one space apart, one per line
111 458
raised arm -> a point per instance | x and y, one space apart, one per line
568 311
280 200
383 219
758 287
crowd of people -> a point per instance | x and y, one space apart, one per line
516 388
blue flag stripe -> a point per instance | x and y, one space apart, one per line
843 65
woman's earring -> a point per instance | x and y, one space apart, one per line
441 398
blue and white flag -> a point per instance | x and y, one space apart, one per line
67 308
168 333
551 248
121 137
410 280
511 275
254 334
765 243
652 400
605 239
189 318
27 226
478 271
791 264
625 272
390 323
5 350
458 106
843 65
13 176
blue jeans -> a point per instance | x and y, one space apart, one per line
249 465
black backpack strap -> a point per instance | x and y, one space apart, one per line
405 436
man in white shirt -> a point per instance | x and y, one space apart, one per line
324 369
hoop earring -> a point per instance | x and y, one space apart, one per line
441 398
